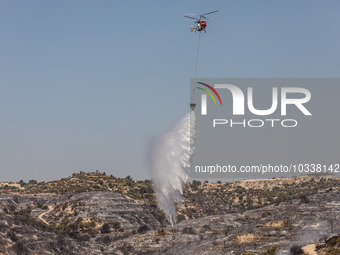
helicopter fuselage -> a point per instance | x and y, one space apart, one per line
201 25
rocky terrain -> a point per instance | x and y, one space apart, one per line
288 216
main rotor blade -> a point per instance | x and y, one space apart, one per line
214 18
191 17
191 14
208 13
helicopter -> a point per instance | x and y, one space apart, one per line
201 23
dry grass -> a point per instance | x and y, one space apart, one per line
249 238
309 249
275 224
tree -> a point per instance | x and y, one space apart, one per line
196 183
22 183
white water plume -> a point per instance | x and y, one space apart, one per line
170 159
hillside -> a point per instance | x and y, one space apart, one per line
108 223
98 214
200 198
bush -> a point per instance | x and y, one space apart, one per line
116 225
143 229
161 232
271 250
84 238
71 228
92 232
25 211
105 228
106 239
22 183
142 190
304 199
188 231
20 248
189 213
64 206
204 228
294 249
128 178
195 184
266 213
180 217
11 235
87 225
40 204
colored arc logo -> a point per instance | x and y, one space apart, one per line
209 93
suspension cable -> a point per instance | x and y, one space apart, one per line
198 50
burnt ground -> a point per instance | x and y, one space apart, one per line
74 224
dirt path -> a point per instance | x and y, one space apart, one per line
40 217
310 249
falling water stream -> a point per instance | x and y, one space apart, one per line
170 159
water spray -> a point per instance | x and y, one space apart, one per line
170 159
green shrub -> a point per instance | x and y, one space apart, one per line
266 213
180 217
271 250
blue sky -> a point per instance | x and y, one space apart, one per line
88 85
